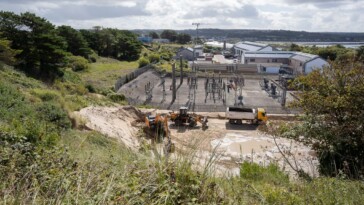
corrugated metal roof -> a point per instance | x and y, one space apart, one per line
268 55
250 46
303 57
247 47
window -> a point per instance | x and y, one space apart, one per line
252 60
274 60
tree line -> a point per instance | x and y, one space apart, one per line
42 50
172 36
332 53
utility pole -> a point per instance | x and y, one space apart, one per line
197 25
174 92
181 66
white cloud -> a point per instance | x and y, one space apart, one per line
310 15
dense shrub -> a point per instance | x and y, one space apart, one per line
78 63
154 58
54 114
143 62
117 97
46 95
90 88
255 172
332 101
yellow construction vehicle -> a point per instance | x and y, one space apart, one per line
183 117
158 124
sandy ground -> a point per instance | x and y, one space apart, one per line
222 143
116 122
229 145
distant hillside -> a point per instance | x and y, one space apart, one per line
271 35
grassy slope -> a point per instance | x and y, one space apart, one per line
97 169
104 73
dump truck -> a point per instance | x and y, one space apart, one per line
236 115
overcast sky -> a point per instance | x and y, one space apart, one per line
307 15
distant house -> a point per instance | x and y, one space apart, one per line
190 54
198 49
274 61
186 53
161 40
145 39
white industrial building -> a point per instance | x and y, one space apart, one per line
274 61
271 60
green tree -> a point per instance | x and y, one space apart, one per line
92 38
43 51
153 35
119 44
333 125
7 54
295 47
183 38
129 48
76 44
170 35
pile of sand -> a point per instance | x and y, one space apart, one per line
117 122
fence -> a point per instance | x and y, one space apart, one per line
122 80
207 108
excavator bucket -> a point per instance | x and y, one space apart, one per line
204 122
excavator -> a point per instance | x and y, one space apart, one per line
159 125
183 117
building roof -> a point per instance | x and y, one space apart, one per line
269 54
303 57
219 44
184 48
299 56
250 46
